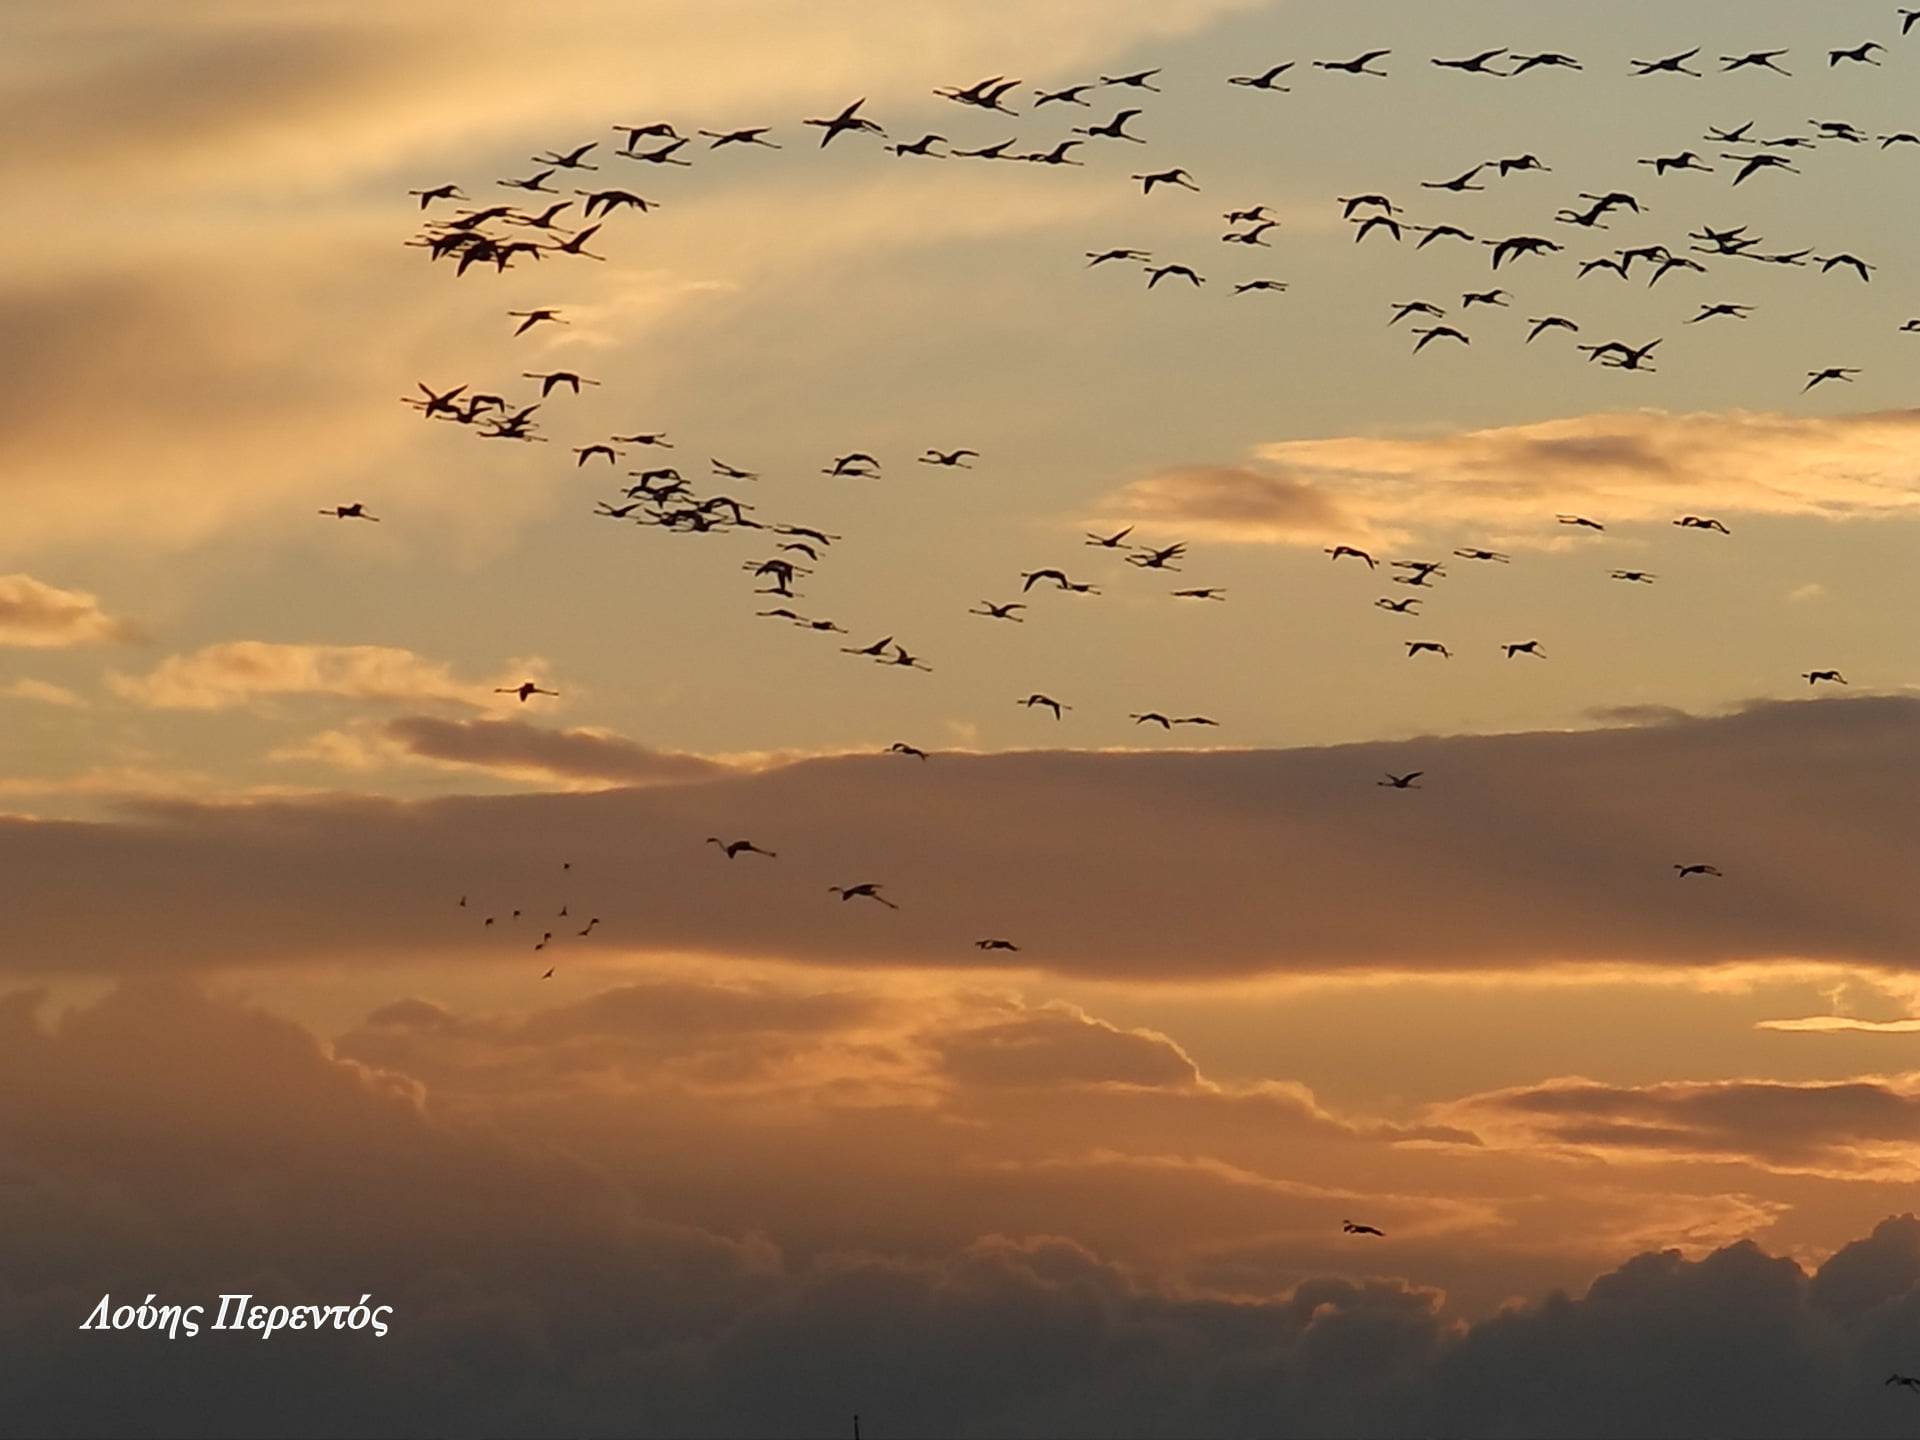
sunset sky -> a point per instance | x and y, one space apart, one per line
287 858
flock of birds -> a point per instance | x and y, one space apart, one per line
576 202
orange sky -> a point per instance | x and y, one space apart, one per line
334 965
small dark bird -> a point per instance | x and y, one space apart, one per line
1859 266
1401 782
1352 1229
438 192
526 690
530 318
740 137
1357 65
1549 322
1912 1382
1814 677
1107 542
1402 309
1103 256
1700 522
1672 65
1460 182
355 511
1481 64
1366 227
996 945
1525 647
1249 285
1401 607
1138 80
949 458
1761 59
1044 700
1414 647
1205 592
1641 577
1336 551
1263 81
732 848
900 747
1165 177
1070 96
1156 274
1862 53
1434 333
1469 553
1832 372
1686 870
1523 63
1000 612
1152 717
1708 312
1114 129
868 891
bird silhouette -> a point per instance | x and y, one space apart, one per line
869 890
1481 64
1262 81
731 848
1352 1229
1356 66
1336 551
996 945
355 511
1175 176
1525 647
1671 65
1814 677
1686 870
526 690
1414 647
1701 522
1044 700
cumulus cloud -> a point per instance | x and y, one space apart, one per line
1865 1128
34 613
158 1140
1622 466
238 672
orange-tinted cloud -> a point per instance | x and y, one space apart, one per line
34 613
1518 851
1640 465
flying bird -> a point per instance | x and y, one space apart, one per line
1263 81
1401 782
1814 677
1044 700
1672 65
732 848
1686 870
526 690
1352 1229
868 891
355 511
1357 65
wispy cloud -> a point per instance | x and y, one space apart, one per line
34 613
238 672
1617 467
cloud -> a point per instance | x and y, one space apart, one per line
159 1140
33 613
1864 1128
515 748
1521 851
237 672
1061 1046
41 692
1615 467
